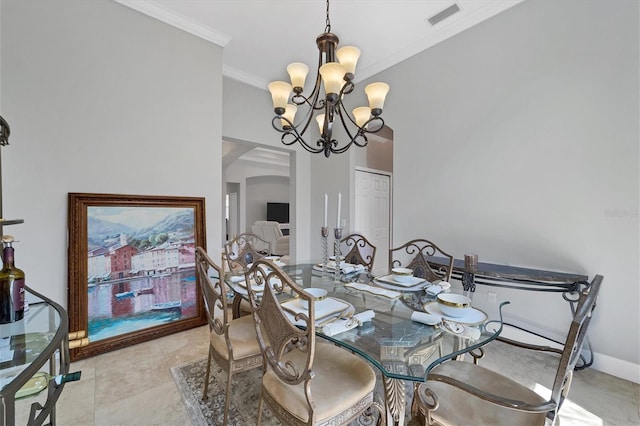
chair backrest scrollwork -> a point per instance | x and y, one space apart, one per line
574 342
214 293
241 251
415 254
359 250
288 347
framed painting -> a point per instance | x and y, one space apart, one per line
132 268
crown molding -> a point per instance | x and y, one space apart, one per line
180 22
244 77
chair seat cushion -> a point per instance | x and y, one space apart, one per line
460 408
341 380
242 333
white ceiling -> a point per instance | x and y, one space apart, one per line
260 37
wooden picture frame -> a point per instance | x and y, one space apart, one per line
132 268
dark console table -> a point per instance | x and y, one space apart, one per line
519 278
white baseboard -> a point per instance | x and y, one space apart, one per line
616 367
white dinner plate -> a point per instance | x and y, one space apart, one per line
412 281
474 317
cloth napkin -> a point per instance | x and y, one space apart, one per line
434 290
342 325
425 318
349 269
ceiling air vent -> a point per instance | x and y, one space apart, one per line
439 17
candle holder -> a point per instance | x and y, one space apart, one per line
337 233
324 232
468 276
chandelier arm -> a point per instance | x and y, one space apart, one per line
372 120
293 132
314 104
301 100
359 139
298 138
347 88
353 141
342 112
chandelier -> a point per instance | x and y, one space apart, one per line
4 132
337 79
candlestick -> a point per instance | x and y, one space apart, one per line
337 251
339 208
326 203
324 232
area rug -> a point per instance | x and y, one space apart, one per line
244 399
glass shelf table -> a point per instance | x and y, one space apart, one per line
40 340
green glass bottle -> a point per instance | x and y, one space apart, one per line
11 285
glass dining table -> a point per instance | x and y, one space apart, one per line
401 348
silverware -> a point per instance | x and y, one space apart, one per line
453 326
344 315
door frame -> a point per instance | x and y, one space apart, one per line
383 173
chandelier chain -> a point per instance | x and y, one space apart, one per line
327 28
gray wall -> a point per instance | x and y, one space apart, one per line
260 191
247 117
518 140
101 99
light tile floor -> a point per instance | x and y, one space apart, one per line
134 386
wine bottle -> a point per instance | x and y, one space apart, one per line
11 285
41 380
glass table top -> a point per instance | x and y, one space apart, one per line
398 346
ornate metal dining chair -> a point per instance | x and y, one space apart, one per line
304 382
240 251
232 343
415 254
359 250
458 392
243 249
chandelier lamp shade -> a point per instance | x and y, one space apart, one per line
334 80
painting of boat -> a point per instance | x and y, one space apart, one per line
167 306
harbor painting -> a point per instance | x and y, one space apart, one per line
136 256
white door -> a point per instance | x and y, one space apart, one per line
372 214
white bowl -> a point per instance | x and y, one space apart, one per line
402 275
453 305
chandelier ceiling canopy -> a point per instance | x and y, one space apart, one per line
334 80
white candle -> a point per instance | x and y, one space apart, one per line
326 202
339 208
